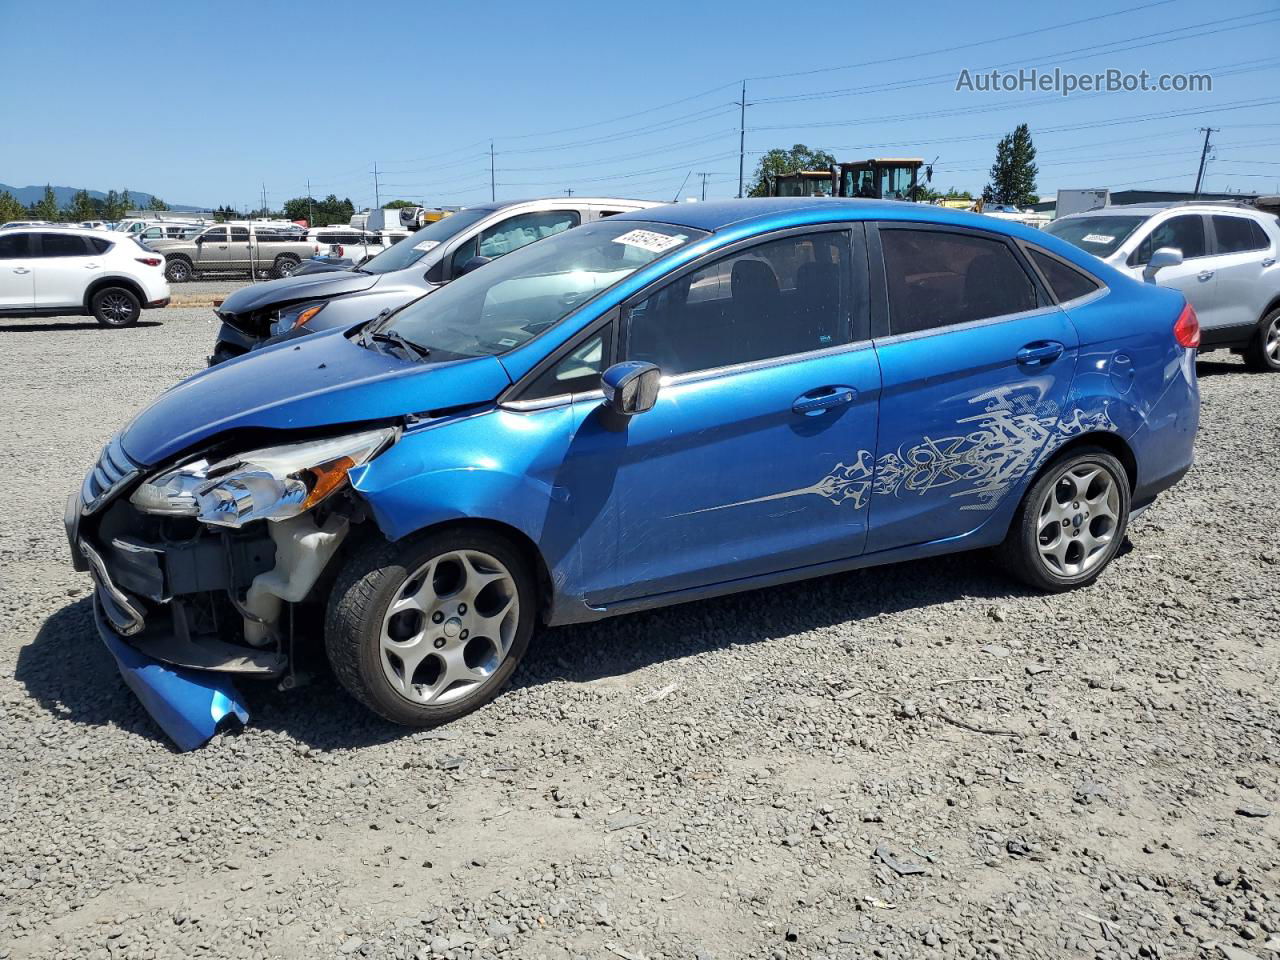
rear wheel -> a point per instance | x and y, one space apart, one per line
284 266
425 631
178 270
1263 352
1071 522
115 307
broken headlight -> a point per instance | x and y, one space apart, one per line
274 483
297 315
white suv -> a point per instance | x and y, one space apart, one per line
57 271
1221 255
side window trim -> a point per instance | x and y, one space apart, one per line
856 233
1044 297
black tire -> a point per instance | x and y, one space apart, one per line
115 307
376 575
1263 352
178 270
1021 553
284 266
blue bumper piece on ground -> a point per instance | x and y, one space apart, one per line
188 705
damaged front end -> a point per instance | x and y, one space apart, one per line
197 565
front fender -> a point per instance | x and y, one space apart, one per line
494 465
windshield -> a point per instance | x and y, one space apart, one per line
1100 236
414 247
508 302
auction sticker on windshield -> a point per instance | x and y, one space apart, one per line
1096 238
426 245
651 241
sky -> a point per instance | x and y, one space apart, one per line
211 103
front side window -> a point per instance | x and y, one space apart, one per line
62 245
15 246
784 297
511 301
1238 234
1185 233
414 247
938 278
514 233
1066 282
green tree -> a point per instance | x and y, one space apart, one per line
126 201
398 204
156 204
1013 175
82 207
779 161
113 207
10 208
46 208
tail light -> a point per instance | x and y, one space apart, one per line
1186 330
150 261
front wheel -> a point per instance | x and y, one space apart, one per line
425 631
1071 522
115 307
1263 352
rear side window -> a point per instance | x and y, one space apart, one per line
14 246
939 278
100 245
239 234
1066 282
215 236
1185 233
62 245
1238 234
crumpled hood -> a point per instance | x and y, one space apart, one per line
314 381
289 289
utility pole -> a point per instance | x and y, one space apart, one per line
377 193
568 191
492 192
704 184
264 201
1204 157
742 136
311 220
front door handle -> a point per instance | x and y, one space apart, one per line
21 270
1041 353
824 398
1269 262
1204 275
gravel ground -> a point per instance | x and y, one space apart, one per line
915 761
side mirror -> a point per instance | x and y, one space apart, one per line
475 263
1164 257
630 387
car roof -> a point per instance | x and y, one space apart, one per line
1151 208
717 215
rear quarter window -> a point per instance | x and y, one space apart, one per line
1066 282
1238 234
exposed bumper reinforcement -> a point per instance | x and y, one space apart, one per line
190 706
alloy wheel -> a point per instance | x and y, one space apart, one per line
116 308
450 627
1078 519
1271 341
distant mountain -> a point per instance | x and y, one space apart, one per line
32 194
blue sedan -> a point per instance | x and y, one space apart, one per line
667 405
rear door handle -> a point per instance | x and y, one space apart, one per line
21 270
1204 275
824 398
1269 262
92 266
1040 353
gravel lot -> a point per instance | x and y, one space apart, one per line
915 761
